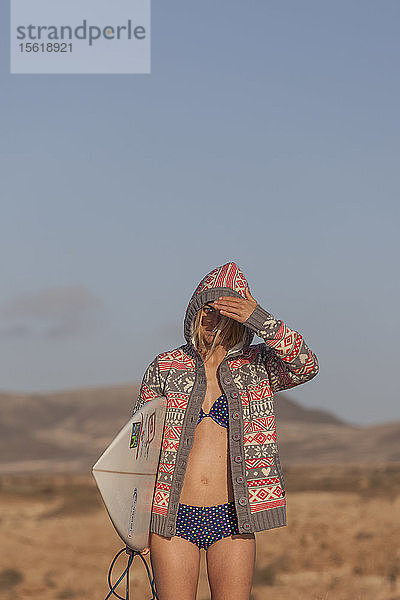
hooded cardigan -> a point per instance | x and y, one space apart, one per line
249 376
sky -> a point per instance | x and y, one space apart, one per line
266 134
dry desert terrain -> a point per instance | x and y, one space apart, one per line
341 541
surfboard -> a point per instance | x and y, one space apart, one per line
125 473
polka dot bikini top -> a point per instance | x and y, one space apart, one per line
218 412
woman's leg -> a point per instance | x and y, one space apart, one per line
230 567
176 564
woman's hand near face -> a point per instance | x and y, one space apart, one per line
235 308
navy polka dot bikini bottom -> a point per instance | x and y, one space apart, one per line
204 525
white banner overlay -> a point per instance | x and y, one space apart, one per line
80 36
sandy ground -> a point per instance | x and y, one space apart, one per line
57 542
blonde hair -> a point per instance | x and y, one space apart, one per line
229 333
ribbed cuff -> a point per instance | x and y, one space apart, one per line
258 318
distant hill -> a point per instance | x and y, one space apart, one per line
289 410
67 431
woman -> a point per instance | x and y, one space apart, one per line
219 478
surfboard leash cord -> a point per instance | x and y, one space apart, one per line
132 554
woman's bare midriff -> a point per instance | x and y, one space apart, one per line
207 478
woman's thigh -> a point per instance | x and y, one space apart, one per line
176 564
230 567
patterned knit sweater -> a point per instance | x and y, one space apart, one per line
249 376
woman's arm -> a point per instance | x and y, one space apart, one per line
288 359
151 386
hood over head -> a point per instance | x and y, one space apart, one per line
227 280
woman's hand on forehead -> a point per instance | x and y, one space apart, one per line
236 308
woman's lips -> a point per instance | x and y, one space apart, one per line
210 331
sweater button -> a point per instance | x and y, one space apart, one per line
236 437
246 525
238 458
235 415
171 528
240 479
242 500
227 380
234 394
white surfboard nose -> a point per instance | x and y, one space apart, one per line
125 473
